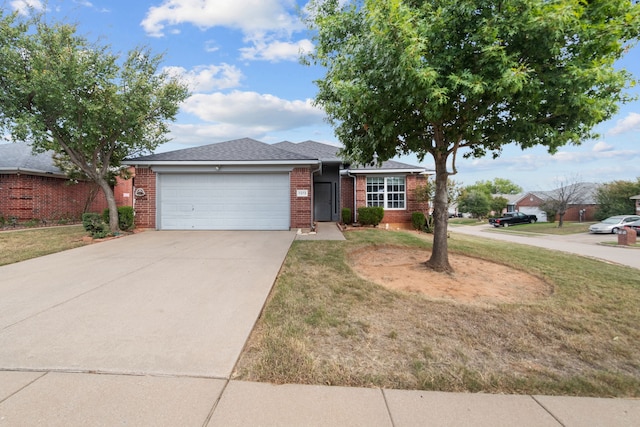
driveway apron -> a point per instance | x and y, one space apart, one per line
155 303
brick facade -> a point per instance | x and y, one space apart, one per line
34 197
346 194
144 205
301 207
400 217
572 214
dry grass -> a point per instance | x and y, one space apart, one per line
325 325
21 245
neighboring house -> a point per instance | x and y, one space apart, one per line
246 184
582 204
33 188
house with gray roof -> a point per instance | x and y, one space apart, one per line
246 184
581 197
32 187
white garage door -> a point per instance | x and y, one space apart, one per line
530 210
223 201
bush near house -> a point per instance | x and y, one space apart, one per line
370 215
418 220
125 217
95 225
347 218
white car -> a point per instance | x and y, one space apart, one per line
613 224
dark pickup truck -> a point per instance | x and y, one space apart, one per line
512 218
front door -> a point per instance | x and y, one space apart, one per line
322 201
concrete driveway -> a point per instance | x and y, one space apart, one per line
161 311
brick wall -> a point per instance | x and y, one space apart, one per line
145 206
399 217
346 194
300 179
29 197
573 212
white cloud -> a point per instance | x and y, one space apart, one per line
628 124
205 78
249 16
275 51
200 134
211 46
602 146
252 110
23 6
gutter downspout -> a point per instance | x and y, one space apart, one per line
313 196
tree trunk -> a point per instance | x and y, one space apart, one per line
560 219
111 204
439 260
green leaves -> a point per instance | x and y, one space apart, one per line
436 77
60 92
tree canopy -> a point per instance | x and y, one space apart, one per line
60 92
613 198
448 77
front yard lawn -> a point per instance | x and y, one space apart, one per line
21 245
323 324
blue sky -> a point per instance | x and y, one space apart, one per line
241 59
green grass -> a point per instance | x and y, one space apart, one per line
323 324
466 221
21 245
548 228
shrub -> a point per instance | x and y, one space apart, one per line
2 220
347 218
125 217
94 225
370 215
418 220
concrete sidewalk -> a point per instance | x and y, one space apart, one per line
146 331
84 399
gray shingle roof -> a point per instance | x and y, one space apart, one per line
317 150
329 153
249 150
583 193
17 156
245 149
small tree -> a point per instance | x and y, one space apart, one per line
498 204
569 193
476 203
61 93
426 192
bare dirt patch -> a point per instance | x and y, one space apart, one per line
474 281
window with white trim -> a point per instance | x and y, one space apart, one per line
386 191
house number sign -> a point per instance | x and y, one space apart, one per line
302 193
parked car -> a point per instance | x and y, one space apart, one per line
613 224
512 218
635 225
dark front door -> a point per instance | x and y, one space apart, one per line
322 201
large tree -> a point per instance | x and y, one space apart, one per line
444 78
60 92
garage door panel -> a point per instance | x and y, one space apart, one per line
223 201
